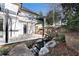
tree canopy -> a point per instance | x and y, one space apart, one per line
71 12
52 17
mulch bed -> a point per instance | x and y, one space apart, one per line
62 50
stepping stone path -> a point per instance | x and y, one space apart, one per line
20 50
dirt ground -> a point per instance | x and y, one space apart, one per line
62 50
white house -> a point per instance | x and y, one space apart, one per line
20 20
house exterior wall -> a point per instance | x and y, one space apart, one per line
29 18
12 7
16 22
2 32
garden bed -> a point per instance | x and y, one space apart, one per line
62 50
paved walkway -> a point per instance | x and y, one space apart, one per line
21 38
20 50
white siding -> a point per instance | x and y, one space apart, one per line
11 7
18 22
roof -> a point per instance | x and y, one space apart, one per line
27 10
19 4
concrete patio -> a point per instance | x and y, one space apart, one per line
25 37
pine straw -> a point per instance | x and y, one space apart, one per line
62 50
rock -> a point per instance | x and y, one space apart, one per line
40 40
43 51
35 51
20 50
40 44
50 44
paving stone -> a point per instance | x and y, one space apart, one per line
20 50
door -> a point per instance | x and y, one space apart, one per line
25 29
1 28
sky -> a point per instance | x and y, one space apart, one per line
37 7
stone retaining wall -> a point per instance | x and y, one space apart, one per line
11 45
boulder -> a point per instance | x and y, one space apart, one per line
50 44
43 51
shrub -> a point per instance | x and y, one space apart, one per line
60 38
3 51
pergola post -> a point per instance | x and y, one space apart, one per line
43 27
42 19
6 26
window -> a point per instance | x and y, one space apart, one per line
25 29
1 27
31 17
2 6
